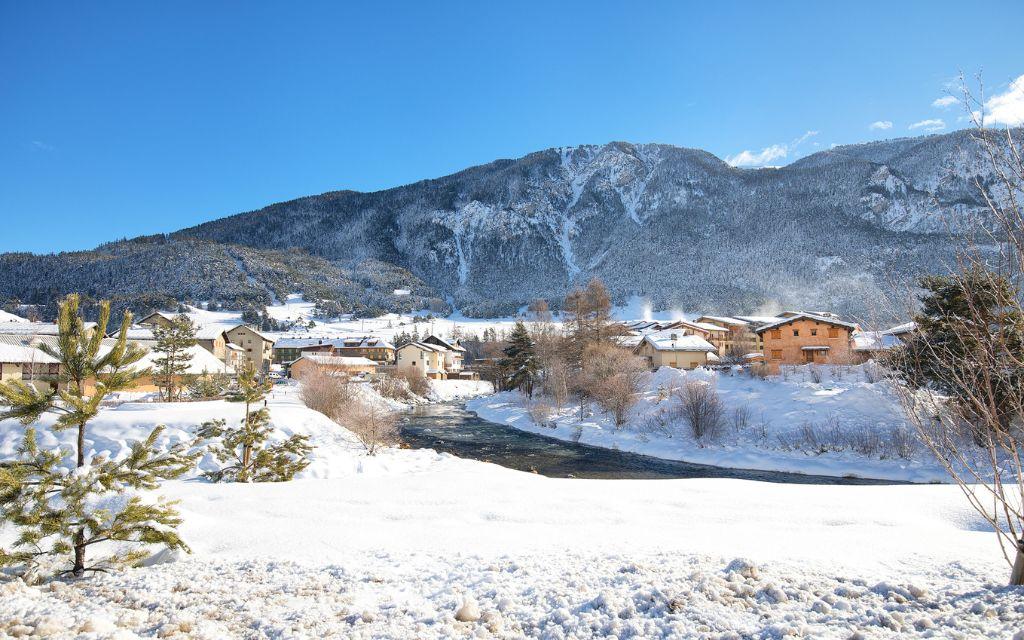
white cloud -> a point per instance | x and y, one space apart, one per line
39 145
881 124
748 158
1007 108
932 124
944 102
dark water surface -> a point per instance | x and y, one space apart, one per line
455 430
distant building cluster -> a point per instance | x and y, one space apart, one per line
791 338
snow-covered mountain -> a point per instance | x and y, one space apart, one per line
846 229
840 229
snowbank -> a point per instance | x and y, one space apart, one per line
859 425
394 545
580 595
452 390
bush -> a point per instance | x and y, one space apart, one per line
418 385
375 426
393 388
701 408
326 393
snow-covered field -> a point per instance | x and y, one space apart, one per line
765 425
402 544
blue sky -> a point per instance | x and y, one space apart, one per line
121 119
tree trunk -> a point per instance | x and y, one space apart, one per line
1017 574
79 569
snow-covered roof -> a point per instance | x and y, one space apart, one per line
629 341
707 326
758 320
423 346
451 346
675 341
815 348
34 328
875 340
10 317
15 353
362 342
350 342
901 329
726 320
254 331
337 361
202 362
805 316
210 332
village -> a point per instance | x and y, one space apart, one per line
764 343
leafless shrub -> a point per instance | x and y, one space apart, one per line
375 425
613 379
758 370
416 384
325 392
739 418
393 388
700 406
831 437
540 412
814 372
872 372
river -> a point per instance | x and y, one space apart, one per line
453 429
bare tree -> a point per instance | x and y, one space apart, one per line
959 375
328 393
375 425
700 406
613 378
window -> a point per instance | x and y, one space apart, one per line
776 354
796 333
814 332
833 332
777 334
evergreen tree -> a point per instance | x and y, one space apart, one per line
244 450
970 337
173 343
60 501
519 366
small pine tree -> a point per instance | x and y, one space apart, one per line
59 512
173 343
243 450
519 365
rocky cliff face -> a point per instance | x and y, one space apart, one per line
843 229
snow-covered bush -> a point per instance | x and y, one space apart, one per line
701 408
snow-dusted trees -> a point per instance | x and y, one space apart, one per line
62 502
171 364
519 366
961 375
245 451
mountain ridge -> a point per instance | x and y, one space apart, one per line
673 224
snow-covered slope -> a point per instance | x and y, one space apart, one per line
677 225
397 545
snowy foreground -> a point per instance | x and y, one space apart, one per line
412 543
842 425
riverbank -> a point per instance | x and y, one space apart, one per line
842 424
396 544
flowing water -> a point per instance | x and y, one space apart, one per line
455 430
